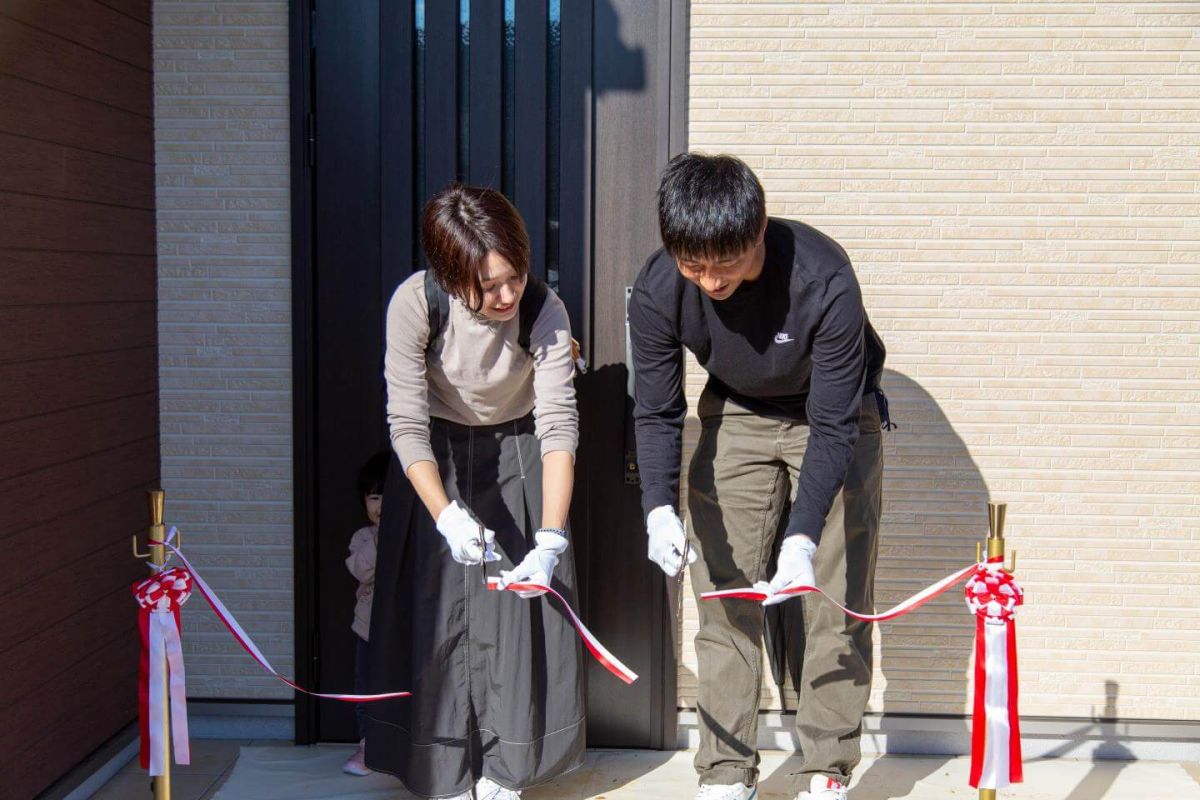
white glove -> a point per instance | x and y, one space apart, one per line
667 541
794 569
538 564
470 543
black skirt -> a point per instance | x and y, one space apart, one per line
497 681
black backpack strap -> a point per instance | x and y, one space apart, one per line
439 307
531 308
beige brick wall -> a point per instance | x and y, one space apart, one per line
221 130
1017 185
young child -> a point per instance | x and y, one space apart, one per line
361 563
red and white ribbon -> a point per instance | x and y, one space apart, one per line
160 668
598 650
911 604
993 596
243 638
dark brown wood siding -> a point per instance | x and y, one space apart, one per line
78 374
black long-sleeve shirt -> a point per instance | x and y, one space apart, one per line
795 344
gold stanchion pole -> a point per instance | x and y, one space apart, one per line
158 557
995 547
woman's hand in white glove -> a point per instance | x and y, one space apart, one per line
538 564
470 543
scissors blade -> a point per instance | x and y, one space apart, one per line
483 556
687 550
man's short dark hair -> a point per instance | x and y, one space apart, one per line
709 206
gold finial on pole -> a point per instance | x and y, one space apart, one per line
996 512
995 540
156 499
158 557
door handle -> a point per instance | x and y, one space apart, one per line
632 477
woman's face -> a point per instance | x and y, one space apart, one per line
502 288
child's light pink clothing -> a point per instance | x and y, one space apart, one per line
361 563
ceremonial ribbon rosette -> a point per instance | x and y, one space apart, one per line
993 596
161 666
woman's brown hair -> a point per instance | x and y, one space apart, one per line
459 225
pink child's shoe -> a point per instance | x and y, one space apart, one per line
357 763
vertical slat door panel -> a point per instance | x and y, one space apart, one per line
486 90
530 180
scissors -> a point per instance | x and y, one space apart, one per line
483 558
489 554
687 551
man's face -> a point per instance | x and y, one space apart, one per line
719 278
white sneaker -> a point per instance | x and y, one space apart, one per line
824 788
736 791
488 789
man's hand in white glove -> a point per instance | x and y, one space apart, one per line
470 543
668 542
794 569
538 564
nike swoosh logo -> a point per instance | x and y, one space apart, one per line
783 338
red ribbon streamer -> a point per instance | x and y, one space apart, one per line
1015 765
911 604
243 638
598 650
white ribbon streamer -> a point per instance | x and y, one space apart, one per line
167 680
995 702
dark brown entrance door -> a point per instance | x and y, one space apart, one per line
571 107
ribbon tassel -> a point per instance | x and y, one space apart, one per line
162 682
993 596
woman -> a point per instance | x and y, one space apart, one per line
481 408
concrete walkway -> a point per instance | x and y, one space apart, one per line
232 770
625 775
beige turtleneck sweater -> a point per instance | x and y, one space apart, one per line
477 374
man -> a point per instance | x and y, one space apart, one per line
772 311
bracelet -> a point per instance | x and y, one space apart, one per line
560 531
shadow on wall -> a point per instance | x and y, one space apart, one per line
934 513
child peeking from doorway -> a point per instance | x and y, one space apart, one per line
361 563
